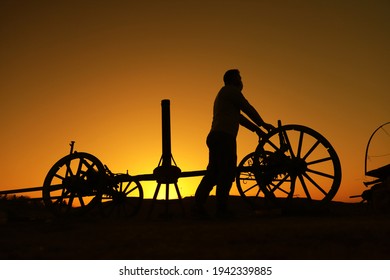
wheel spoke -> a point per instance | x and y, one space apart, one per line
124 189
68 170
247 178
79 167
60 198
65 194
319 161
293 181
251 188
88 166
272 190
280 182
276 148
320 173
288 143
311 149
59 176
81 200
315 183
131 190
258 192
305 189
300 143
70 202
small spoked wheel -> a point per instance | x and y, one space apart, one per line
72 184
123 198
247 182
290 161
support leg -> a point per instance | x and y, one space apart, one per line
180 198
154 199
167 199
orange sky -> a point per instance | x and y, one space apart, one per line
96 72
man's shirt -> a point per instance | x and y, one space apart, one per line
226 112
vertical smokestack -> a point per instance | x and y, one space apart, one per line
166 133
165 172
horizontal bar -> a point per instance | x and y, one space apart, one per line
141 177
144 177
34 189
193 173
152 177
22 190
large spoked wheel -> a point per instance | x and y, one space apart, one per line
123 198
290 161
72 184
249 186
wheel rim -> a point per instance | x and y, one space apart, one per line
123 199
305 166
72 184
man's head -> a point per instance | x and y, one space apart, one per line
232 77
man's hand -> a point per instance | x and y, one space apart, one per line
268 127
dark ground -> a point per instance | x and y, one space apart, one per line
337 231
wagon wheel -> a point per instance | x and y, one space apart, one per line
123 198
72 184
291 161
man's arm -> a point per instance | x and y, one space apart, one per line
251 112
248 124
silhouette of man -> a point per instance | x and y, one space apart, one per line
221 141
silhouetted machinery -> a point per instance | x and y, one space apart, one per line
378 191
290 161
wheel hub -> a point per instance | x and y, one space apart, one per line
76 185
119 197
298 166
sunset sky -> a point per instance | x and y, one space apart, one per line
96 71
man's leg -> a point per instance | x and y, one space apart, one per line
202 192
227 166
209 180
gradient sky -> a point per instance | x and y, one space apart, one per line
96 72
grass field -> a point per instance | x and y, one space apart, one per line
335 231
